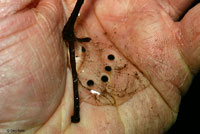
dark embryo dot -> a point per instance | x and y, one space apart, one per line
108 68
83 49
111 57
90 83
104 78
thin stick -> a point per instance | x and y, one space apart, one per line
70 38
76 117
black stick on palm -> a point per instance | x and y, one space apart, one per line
70 38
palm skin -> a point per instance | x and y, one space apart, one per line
34 74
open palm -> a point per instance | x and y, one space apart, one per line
131 74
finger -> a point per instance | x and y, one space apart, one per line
176 8
190 38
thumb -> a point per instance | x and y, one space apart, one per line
190 42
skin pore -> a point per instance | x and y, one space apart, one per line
132 73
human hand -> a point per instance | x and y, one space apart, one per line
155 59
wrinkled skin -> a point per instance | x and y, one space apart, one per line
36 93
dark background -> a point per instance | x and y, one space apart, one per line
189 113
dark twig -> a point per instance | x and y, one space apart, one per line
70 38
